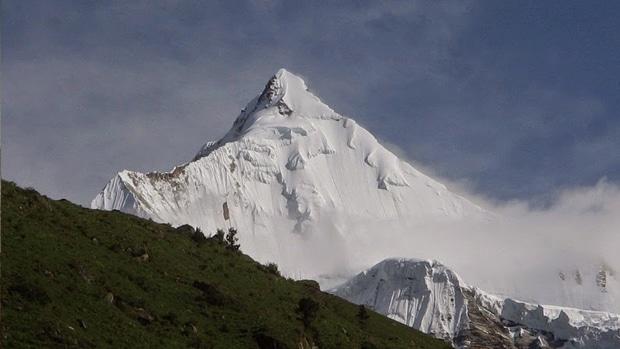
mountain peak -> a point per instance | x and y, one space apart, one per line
285 100
289 78
289 94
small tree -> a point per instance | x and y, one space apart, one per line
198 236
219 236
272 268
308 308
362 314
231 240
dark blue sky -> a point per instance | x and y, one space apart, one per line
515 99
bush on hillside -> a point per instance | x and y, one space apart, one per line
232 240
272 268
307 308
219 236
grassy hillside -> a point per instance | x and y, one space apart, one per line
74 277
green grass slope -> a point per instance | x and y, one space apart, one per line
74 277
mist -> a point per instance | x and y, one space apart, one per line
532 253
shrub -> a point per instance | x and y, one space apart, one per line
231 240
272 268
308 309
198 236
210 294
362 314
219 236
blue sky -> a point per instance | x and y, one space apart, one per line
515 100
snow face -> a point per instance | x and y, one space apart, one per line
116 196
430 297
422 294
296 176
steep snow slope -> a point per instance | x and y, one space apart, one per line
430 297
293 172
421 294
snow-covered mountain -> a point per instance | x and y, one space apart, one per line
316 193
295 174
428 296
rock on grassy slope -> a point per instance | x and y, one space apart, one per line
74 277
